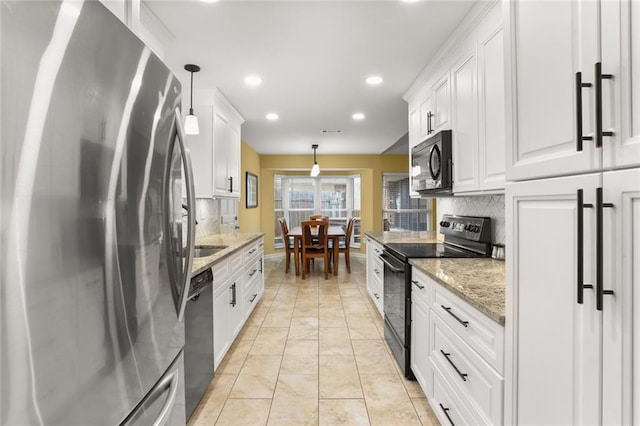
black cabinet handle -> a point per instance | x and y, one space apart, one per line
600 291
231 184
579 137
260 265
252 273
233 294
448 309
253 298
429 129
445 410
455 367
421 287
580 271
599 78
376 295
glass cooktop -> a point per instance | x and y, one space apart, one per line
427 250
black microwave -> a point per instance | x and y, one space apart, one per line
431 165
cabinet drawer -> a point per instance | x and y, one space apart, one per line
378 270
484 335
478 384
420 285
252 250
252 270
446 404
375 292
252 295
223 269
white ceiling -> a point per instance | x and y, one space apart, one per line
313 57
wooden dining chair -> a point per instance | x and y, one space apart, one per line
288 242
315 244
344 245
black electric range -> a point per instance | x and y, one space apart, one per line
464 237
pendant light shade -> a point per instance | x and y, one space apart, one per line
315 170
191 126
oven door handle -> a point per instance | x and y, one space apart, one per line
392 267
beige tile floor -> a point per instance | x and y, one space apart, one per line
312 353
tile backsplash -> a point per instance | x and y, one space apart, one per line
486 205
215 216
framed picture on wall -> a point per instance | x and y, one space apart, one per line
252 190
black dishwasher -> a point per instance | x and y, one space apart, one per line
198 347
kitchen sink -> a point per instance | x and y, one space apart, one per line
207 250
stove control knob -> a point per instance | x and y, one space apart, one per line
476 228
444 224
467 227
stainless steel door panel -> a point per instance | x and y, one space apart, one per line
90 217
164 404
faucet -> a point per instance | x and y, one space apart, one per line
186 208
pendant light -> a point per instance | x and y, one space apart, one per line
191 120
315 170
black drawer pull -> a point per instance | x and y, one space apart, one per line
376 295
448 309
460 373
252 273
445 410
421 287
253 298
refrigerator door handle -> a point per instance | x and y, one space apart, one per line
170 384
191 213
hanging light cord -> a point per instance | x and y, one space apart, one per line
191 105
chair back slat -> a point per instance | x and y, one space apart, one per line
313 239
348 232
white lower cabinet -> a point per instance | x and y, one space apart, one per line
375 274
456 355
238 285
420 289
573 264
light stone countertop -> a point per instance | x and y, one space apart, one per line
234 241
478 281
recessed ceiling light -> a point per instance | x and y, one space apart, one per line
374 80
272 116
253 80
209 1
358 116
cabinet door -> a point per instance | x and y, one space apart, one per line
426 118
491 167
441 102
221 323
464 124
622 275
201 147
237 310
233 160
420 341
620 44
220 153
549 41
414 139
553 342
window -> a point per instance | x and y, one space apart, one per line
399 211
298 197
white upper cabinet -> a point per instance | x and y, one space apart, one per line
491 92
563 119
465 91
442 101
216 150
465 124
620 24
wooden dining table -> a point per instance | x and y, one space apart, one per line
334 233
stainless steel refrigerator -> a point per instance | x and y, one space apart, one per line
93 275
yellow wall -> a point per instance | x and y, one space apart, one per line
249 219
370 168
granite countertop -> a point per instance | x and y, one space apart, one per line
478 281
404 236
234 241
